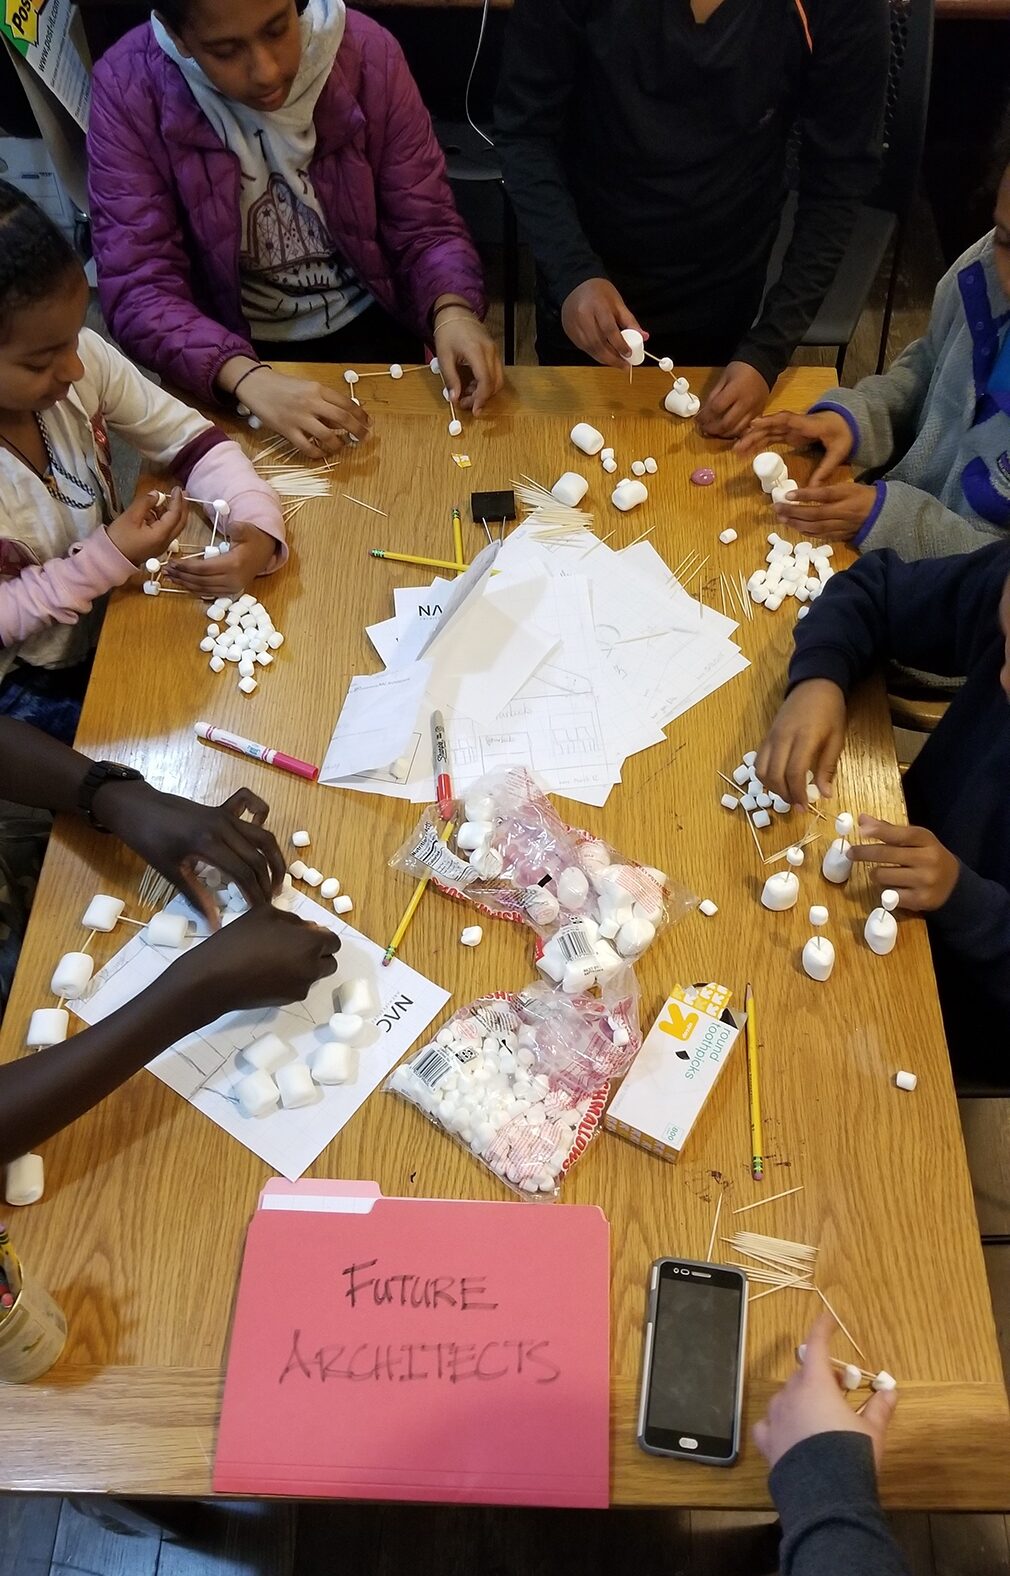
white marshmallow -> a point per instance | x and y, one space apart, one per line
433 366
396 371
275 640
216 664
151 588
795 856
167 930
628 495
346 1027
851 1377
48 1026
313 877
300 839
471 936
666 363
335 1063
770 469
636 346
455 427
358 995
818 958
761 819
264 658
818 914
638 467
773 603
650 465
329 888
542 906
210 551
836 865
889 899
586 438
572 887
680 402
781 891
610 465
729 801
267 1053
473 835
350 377
297 869
607 454
570 489
884 1381
296 1086
634 936
246 667
25 1181
707 907
727 536
742 775
779 805
72 974
247 684
102 912
342 904
152 565
488 863
844 825
257 1094
906 1080
764 800
881 932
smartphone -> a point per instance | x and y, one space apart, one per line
692 1376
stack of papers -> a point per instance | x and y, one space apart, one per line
556 654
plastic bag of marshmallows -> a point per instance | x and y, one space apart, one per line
522 1080
513 857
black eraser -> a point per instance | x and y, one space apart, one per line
493 505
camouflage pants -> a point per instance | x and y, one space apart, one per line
23 841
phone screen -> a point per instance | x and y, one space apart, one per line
693 1381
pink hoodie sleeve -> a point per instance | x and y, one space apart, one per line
222 471
59 591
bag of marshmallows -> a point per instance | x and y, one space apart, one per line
513 857
522 1080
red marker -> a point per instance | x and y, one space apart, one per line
440 765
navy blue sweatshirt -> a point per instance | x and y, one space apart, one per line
825 1491
941 615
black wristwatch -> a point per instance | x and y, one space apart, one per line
99 773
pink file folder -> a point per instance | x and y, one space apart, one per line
417 1349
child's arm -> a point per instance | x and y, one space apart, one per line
144 269
266 958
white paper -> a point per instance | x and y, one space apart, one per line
203 1068
378 723
483 656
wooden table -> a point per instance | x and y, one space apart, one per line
144 1186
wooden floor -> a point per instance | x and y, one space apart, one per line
40 1535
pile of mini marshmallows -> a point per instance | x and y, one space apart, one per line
754 798
329 886
483 1087
801 571
276 1076
248 638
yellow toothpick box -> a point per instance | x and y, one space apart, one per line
675 1071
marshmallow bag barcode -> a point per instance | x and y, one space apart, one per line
513 857
523 1080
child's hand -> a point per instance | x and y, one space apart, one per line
266 958
909 860
833 513
593 315
141 533
250 552
807 735
738 395
811 1402
311 416
825 427
463 341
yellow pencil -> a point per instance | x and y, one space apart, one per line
757 1164
411 908
410 558
457 538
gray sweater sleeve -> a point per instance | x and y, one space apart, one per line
917 525
825 1491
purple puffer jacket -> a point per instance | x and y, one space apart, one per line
165 202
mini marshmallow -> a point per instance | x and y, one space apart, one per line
264 658
345 1027
781 891
211 551
72 974
764 800
844 825
889 899
572 887
750 758
471 936
818 958
770 469
102 912
773 603
607 454
342 904
666 363
884 1381
707 907
906 1080
836 865
782 493
586 438
335 1063
151 588
570 489
358 995
329 888
300 839
313 877
395 371
851 1377
610 465
276 640
434 366
779 805
729 801
727 536
247 684
152 565
167 930
742 775
681 402
761 819
350 377
297 869
25 1181
749 803
455 427
268 1053
636 346
296 1086
795 856
48 1026
818 914
216 664
473 835
628 495
650 465
246 667
257 1094
638 467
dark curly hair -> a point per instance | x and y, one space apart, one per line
35 259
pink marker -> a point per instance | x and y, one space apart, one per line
256 752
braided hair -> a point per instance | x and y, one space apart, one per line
35 259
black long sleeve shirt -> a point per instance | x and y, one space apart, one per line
639 144
942 615
825 1491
